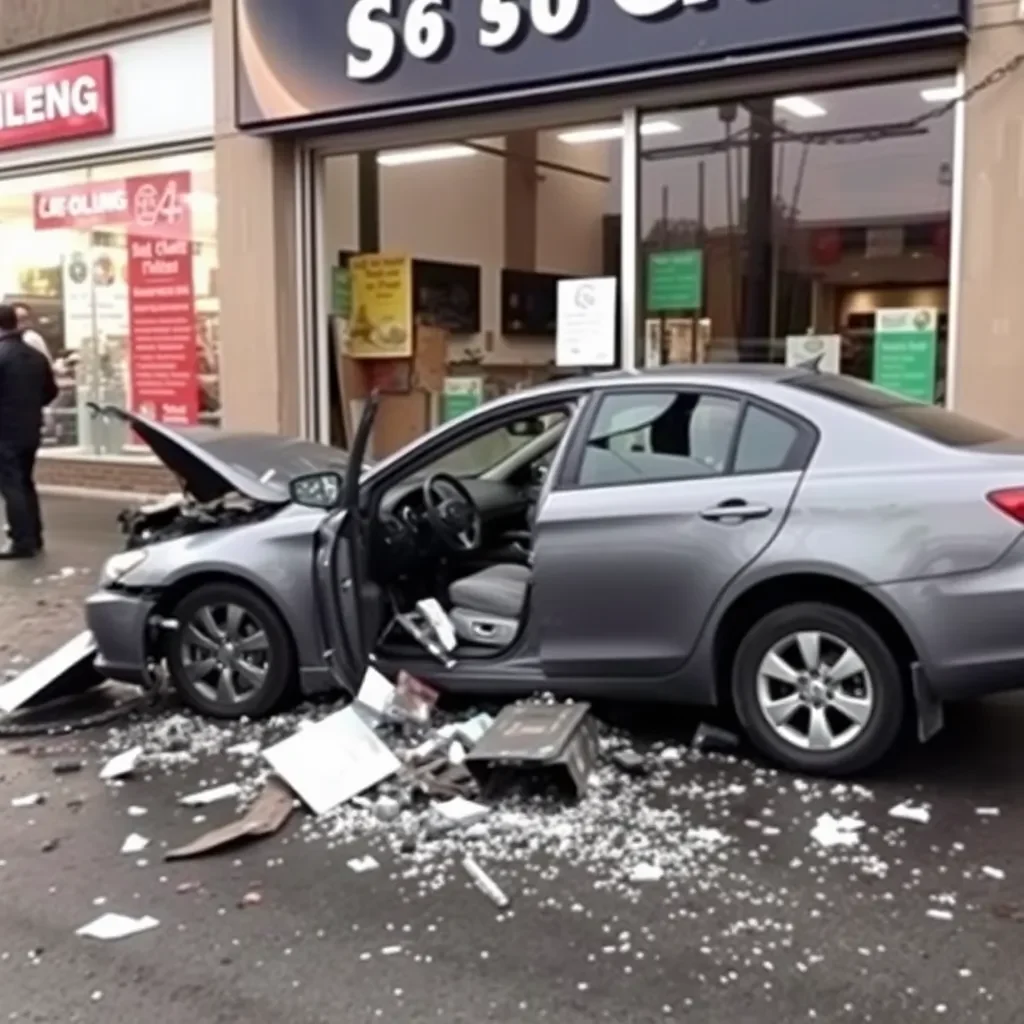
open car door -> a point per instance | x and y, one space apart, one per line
340 567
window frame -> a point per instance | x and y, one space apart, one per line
798 459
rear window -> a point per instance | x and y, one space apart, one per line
931 421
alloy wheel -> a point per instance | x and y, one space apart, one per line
814 691
225 653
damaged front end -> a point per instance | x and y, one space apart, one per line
179 515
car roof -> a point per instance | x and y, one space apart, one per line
698 371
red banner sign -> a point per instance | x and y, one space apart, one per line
68 101
161 299
90 205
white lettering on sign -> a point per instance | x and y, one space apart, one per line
88 203
53 101
382 32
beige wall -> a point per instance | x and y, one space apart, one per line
25 23
259 327
989 362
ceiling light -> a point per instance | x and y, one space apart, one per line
607 132
422 155
801 106
941 94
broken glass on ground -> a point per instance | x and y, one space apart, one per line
332 761
266 816
122 764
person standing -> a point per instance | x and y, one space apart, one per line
28 332
27 386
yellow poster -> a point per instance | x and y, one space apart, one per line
381 319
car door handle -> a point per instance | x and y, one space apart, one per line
736 510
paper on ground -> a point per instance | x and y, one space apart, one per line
908 812
831 831
460 811
134 843
116 926
122 764
332 761
211 796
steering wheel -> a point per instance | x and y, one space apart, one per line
452 513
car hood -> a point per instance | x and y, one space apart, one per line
210 463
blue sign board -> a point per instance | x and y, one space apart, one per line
358 62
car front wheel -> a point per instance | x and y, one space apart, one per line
231 656
817 689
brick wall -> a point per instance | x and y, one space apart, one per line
27 23
104 475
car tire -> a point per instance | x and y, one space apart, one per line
863 711
243 645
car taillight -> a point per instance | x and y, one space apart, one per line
1010 501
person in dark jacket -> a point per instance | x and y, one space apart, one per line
27 385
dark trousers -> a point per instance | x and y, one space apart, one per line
18 488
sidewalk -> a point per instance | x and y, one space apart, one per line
41 600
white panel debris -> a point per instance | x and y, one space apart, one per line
116 926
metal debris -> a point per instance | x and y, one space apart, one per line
484 882
121 765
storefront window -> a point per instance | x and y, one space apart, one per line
116 268
781 228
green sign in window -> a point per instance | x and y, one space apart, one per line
906 350
675 281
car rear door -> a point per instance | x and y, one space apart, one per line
340 568
664 496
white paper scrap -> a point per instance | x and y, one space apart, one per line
134 843
122 764
332 761
843 831
376 693
29 800
116 926
909 812
361 864
211 796
460 811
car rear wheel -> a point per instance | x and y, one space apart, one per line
817 689
231 656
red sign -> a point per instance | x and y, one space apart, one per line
161 299
90 205
69 101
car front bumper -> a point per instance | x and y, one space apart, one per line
119 623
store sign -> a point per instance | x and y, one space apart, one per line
68 101
906 352
91 204
370 59
585 334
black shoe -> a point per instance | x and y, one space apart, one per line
12 552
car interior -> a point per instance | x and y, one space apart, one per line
459 531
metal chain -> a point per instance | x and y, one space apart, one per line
858 136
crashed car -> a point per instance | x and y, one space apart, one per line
824 558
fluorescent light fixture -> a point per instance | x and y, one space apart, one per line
940 94
423 155
607 132
801 106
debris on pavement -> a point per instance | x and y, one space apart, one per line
987 812
116 926
211 796
909 812
459 811
29 800
122 764
134 843
362 864
830 831
67 767
413 701
631 763
554 743
484 882
67 670
253 898
375 696
330 762
997 873
713 738
267 815
646 873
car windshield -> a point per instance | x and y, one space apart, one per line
485 452
930 421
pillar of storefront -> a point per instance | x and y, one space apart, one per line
260 360
520 197
987 365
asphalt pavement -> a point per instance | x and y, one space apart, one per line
741 916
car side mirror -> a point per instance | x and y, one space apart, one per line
317 490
